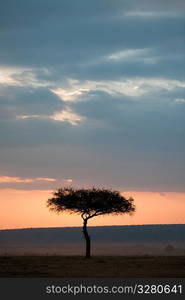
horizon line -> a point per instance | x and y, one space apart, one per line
28 228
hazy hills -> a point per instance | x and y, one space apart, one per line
69 240
133 233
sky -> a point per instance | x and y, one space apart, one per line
92 94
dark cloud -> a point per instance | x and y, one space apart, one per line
67 35
126 139
29 101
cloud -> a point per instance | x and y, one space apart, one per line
67 115
61 116
11 179
128 54
180 100
69 95
155 14
20 77
23 117
68 181
132 87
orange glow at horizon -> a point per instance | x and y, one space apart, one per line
27 208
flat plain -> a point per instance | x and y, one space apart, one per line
97 266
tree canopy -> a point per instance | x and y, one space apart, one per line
90 202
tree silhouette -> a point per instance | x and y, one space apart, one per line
89 203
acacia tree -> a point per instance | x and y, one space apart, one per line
89 203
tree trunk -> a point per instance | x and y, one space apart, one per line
87 239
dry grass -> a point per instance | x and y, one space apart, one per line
98 266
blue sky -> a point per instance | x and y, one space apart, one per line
92 93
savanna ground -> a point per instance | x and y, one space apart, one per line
97 266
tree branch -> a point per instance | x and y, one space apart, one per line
82 215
